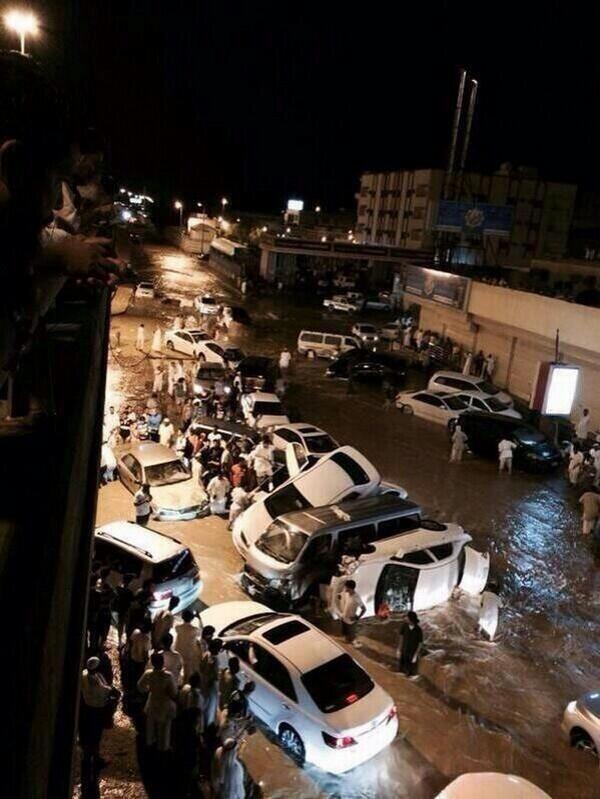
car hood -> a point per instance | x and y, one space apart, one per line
186 494
361 716
223 614
271 421
543 450
265 565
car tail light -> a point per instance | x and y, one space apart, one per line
163 594
338 743
392 714
351 698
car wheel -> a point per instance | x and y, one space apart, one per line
292 744
407 409
170 345
582 741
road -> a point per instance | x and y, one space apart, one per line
478 706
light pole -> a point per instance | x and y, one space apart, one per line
224 202
22 23
178 205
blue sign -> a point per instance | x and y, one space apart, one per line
470 218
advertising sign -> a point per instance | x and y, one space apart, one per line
555 388
295 205
437 286
472 219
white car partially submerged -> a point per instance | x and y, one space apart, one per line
312 440
366 332
145 290
189 340
206 304
419 568
263 410
320 703
581 723
477 401
456 381
433 406
491 785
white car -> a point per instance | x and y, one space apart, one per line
343 474
491 785
176 495
456 381
366 333
263 410
342 304
149 555
312 440
209 351
420 568
206 304
188 341
581 722
144 290
391 332
378 304
435 407
320 703
479 402
344 282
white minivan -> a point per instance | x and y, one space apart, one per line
342 475
325 345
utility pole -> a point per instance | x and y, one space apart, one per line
455 129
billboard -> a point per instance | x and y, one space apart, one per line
467 217
555 388
437 286
295 205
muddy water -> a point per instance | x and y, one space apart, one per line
478 706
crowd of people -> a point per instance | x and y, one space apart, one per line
184 692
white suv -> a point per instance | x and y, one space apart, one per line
456 381
321 704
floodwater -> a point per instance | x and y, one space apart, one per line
478 706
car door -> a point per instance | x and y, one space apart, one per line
130 472
184 342
428 407
214 353
475 569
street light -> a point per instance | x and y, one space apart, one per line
318 209
178 205
224 202
22 23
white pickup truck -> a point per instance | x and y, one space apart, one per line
343 304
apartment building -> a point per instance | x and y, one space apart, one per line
401 208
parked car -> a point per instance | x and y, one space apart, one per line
149 555
320 703
144 291
430 405
365 365
342 475
344 282
300 550
237 314
212 352
534 452
188 341
380 303
263 410
208 374
257 373
456 381
176 495
391 332
581 723
342 304
325 345
418 567
206 304
491 785
366 332
479 402
312 440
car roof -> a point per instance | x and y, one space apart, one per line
256 360
400 544
146 284
144 542
303 429
312 520
305 651
509 421
149 453
264 396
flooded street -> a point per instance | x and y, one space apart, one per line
478 706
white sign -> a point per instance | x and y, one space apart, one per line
295 205
561 390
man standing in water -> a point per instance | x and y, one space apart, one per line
410 645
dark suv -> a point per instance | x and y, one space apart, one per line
257 373
369 366
535 452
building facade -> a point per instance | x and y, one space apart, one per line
401 209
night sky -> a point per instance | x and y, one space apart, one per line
265 100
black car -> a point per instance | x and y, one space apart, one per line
208 374
257 373
366 365
535 452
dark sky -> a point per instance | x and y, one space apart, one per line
265 100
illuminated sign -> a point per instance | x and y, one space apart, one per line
436 286
555 388
456 217
295 205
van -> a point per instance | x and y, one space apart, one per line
325 345
301 549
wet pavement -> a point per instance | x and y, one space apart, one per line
478 706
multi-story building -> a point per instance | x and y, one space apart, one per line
401 208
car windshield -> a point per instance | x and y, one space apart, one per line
528 437
208 301
320 444
282 542
197 335
160 474
455 403
180 564
337 684
267 409
285 500
495 405
233 354
367 328
487 388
